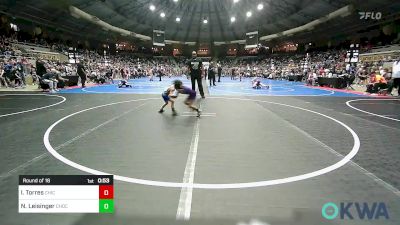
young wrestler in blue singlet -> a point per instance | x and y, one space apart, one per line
168 96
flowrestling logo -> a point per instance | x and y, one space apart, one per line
370 15
355 210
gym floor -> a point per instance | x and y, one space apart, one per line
267 157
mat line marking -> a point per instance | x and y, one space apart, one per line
35 109
39 157
201 113
223 92
185 198
342 162
349 114
333 151
357 116
197 116
376 103
365 119
227 93
370 113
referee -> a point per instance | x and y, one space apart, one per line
195 69
81 73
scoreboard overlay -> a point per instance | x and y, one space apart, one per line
66 194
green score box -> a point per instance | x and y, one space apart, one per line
106 206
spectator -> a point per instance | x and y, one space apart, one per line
3 78
312 78
52 78
377 82
211 74
40 68
395 78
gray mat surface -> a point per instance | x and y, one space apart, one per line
239 141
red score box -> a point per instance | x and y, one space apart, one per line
106 191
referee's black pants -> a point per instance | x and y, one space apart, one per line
197 78
212 79
83 80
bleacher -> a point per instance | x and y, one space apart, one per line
35 50
386 48
29 47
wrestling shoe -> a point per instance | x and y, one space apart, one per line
198 113
174 113
161 111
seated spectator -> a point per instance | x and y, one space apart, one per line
40 68
395 77
20 75
9 73
385 73
3 79
348 78
312 78
362 76
52 80
377 82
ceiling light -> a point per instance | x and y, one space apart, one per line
260 6
175 0
248 14
178 19
235 1
233 19
152 7
205 21
162 14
